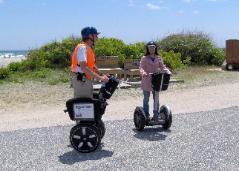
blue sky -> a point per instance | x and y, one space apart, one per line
27 24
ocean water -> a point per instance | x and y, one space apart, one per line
13 53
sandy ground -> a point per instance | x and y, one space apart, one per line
34 105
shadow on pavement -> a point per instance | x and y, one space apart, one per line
151 134
73 156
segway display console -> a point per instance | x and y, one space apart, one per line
86 135
160 82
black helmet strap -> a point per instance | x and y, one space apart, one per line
92 39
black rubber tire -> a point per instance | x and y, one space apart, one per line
139 119
101 126
229 67
86 136
166 115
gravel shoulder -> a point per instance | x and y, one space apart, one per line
196 141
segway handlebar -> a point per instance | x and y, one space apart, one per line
107 89
165 71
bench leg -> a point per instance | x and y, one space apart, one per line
125 76
131 76
121 76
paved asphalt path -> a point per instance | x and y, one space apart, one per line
203 140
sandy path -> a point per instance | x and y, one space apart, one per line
31 115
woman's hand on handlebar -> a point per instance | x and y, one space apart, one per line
144 74
167 71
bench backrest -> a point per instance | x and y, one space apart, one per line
131 64
107 62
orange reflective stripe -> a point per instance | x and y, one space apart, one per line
90 59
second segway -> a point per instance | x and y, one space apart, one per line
160 82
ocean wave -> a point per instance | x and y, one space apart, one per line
15 54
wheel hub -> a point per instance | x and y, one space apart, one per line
85 138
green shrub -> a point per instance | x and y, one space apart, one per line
4 73
43 73
27 65
197 46
14 66
134 51
109 47
173 60
57 54
116 47
54 54
64 79
69 45
217 56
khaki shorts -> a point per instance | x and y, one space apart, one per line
82 88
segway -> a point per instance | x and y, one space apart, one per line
86 135
160 82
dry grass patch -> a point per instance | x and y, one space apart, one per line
41 93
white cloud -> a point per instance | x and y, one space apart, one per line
152 6
195 12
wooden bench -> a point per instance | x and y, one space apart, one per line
131 68
109 65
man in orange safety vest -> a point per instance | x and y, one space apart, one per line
83 64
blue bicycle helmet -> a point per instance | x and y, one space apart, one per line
93 30
85 32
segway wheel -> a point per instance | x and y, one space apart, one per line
139 119
166 115
101 126
85 138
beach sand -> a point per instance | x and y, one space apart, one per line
5 61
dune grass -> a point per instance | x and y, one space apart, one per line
49 76
205 75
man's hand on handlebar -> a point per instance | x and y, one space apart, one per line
104 78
